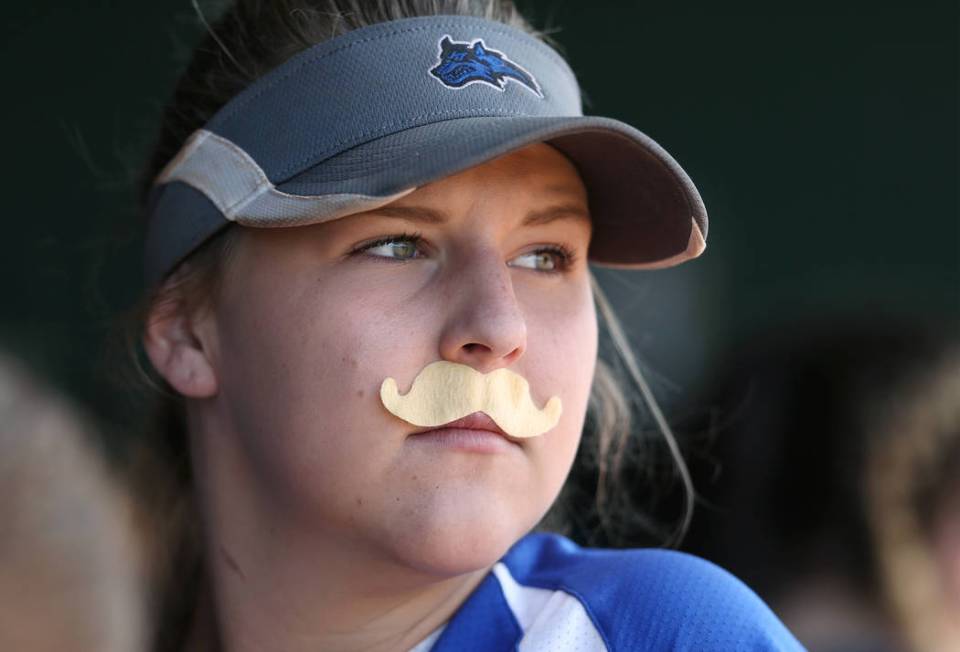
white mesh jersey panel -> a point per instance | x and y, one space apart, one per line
552 621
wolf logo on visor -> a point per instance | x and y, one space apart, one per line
463 63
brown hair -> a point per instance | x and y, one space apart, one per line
231 56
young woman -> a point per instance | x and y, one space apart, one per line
370 307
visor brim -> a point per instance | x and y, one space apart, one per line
646 211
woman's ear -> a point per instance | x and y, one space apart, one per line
179 348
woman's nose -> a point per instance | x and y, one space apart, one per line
485 327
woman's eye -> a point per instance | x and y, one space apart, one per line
548 260
396 247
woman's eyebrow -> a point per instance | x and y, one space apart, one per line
575 212
421 214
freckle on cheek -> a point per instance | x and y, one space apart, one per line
360 393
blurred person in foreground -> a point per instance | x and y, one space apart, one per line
69 560
913 496
797 416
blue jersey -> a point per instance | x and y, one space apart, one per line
548 594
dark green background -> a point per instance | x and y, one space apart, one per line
823 138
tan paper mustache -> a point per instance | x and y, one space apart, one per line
446 391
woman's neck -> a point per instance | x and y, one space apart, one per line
320 601
280 582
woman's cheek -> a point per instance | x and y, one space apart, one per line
566 331
292 383
562 354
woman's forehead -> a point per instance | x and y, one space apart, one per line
493 195
535 173
565 210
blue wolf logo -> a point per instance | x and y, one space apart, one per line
466 63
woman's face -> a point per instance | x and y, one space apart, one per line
311 320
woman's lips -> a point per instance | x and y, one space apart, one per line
475 432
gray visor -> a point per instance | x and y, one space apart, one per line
363 119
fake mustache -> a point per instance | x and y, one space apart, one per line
446 391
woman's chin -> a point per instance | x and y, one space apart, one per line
454 546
